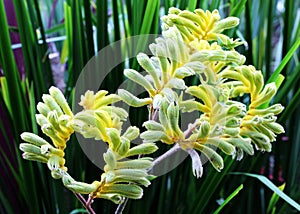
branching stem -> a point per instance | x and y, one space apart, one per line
86 204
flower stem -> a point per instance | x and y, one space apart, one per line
86 204
121 207
167 154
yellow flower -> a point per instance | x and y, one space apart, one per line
98 114
200 25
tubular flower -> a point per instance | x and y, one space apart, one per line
258 124
38 149
56 120
122 177
98 114
200 25
55 117
168 130
165 70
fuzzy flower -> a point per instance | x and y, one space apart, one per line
122 177
201 25
98 114
55 117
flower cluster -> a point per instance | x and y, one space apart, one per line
55 118
122 177
224 123
192 44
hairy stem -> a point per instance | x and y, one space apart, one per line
190 129
167 154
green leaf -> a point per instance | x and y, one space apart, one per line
284 61
274 199
229 198
271 186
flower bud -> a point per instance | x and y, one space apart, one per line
154 136
53 119
30 148
99 95
184 71
157 100
174 10
192 105
43 108
145 148
236 109
57 140
130 191
139 79
227 148
261 141
41 119
275 127
176 83
134 173
34 139
109 176
173 116
60 99
51 103
274 109
232 131
227 23
200 93
103 117
112 98
83 188
34 157
114 137
265 96
242 143
146 64
115 111
124 146
132 100
214 158
110 158
131 133
66 122
56 175
141 163
153 126
204 129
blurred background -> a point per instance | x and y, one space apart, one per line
48 42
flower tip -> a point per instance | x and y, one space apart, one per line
24 155
53 88
196 163
24 135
